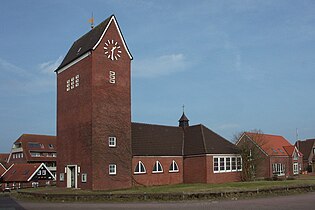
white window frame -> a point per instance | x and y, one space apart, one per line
140 172
172 167
44 172
223 164
84 177
112 140
112 169
156 167
278 169
295 168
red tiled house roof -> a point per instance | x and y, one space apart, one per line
37 143
2 169
24 172
272 145
20 172
4 157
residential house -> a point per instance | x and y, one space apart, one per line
26 175
274 155
31 148
307 147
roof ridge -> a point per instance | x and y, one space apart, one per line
173 126
203 139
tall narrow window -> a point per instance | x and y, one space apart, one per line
157 168
228 164
112 141
84 178
233 164
140 169
112 169
215 164
222 165
173 167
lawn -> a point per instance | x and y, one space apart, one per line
187 188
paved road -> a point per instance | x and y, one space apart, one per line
302 201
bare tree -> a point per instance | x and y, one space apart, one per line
250 144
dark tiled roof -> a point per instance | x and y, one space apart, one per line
160 140
305 147
156 140
216 144
86 43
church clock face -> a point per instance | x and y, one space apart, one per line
112 50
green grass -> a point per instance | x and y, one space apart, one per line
187 188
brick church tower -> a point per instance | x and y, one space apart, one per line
94 111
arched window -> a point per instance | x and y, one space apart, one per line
173 167
140 169
157 168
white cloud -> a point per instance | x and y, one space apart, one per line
159 66
50 66
17 80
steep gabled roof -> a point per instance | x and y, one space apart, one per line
272 145
21 172
158 140
89 42
24 172
306 147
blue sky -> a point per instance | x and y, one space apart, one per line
236 65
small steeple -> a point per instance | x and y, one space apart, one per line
183 121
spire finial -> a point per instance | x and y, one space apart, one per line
183 121
91 20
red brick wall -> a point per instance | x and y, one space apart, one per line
195 169
283 160
92 112
165 178
111 113
215 178
74 122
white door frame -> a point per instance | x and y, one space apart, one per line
69 176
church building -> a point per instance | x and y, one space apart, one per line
99 148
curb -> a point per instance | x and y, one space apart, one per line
165 196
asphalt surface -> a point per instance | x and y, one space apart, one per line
301 201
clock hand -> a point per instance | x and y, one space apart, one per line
113 49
